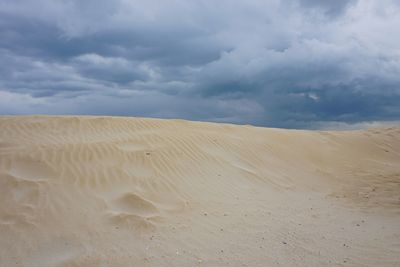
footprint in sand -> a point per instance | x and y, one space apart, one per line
134 204
133 211
31 170
18 199
21 180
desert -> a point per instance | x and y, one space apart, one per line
114 191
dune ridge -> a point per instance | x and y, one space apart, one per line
112 191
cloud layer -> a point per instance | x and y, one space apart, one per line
282 63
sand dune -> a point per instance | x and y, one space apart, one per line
103 191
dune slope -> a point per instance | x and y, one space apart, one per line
107 191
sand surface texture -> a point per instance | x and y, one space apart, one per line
103 191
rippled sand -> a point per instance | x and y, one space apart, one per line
108 191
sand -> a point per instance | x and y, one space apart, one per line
108 191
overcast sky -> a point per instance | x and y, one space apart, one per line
279 63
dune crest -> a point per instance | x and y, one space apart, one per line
110 191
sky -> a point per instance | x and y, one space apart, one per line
275 63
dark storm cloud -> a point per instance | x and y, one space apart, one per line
286 63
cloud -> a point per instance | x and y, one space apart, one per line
328 7
282 63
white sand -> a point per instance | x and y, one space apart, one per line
95 191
